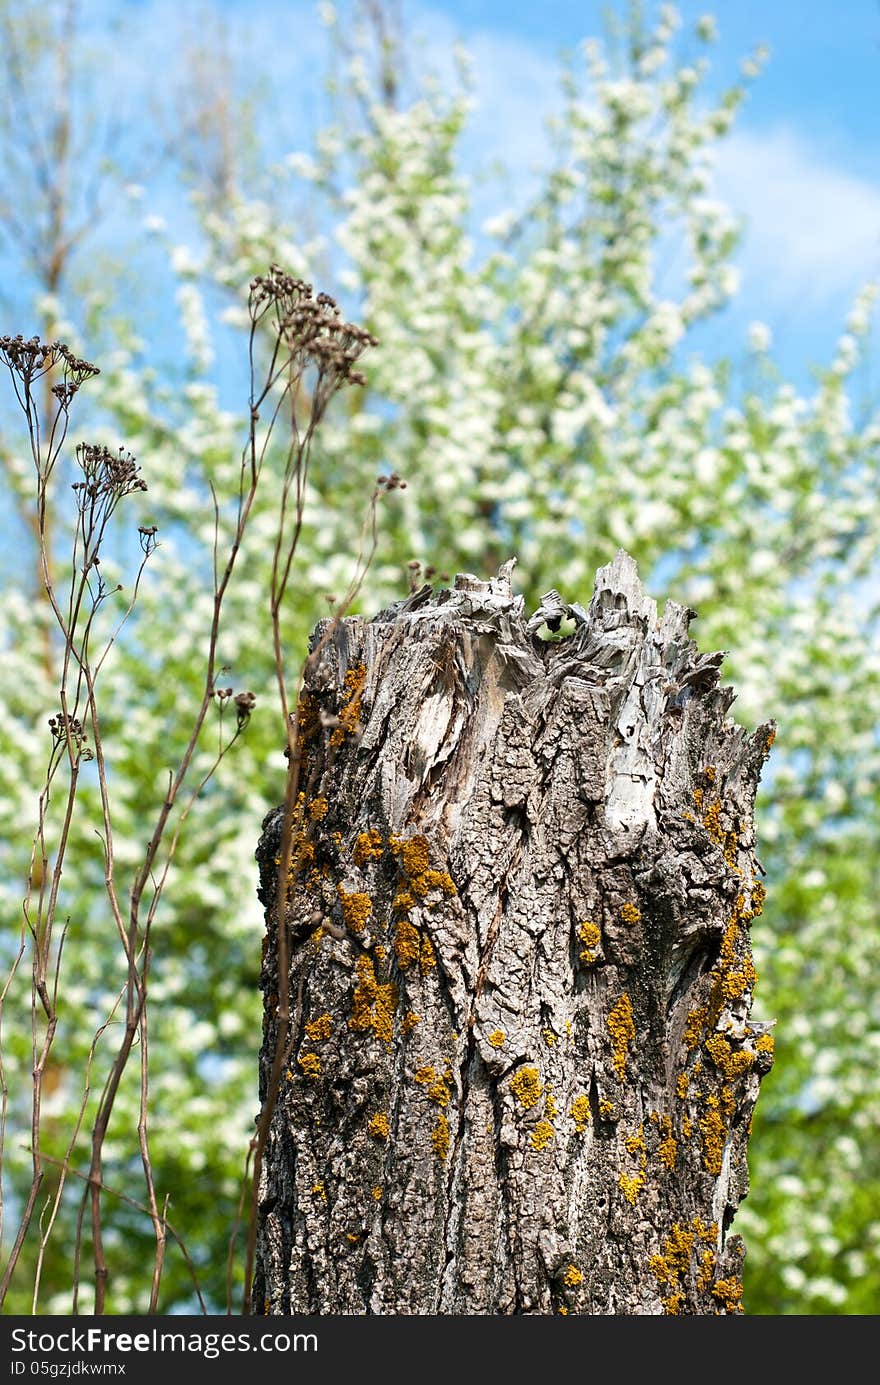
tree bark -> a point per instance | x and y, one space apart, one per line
521 1071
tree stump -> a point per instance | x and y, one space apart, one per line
520 1071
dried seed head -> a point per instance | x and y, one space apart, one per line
106 474
311 328
29 359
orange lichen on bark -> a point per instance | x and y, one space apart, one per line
668 1147
378 1126
373 1003
319 1028
368 846
542 1135
623 1031
713 1133
590 936
350 711
729 1292
580 1113
730 1063
407 944
694 1026
356 908
526 1087
440 1137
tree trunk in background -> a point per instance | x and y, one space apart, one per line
521 1070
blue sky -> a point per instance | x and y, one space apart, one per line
802 167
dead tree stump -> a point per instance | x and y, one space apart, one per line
521 1070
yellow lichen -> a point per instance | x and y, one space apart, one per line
427 955
549 1037
377 1192
320 1191
728 1101
729 1063
580 1113
631 1185
623 1032
542 1134
550 1108
694 1026
440 1137
318 809
591 936
424 1075
572 1277
756 903
682 1082
668 1147
416 865
687 1127
414 856
729 1292
355 909
409 1022
714 1134
670 1267
606 1108
350 711
526 1087
373 1003
496 1038
635 1143
440 1090
308 715
368 846
735 983
310 1064
378 1126
707 1231
712 822
707 1265
764 1043
630 914
407 944
319 1028
433 880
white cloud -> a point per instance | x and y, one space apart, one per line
812 230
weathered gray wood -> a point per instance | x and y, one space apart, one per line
522 1072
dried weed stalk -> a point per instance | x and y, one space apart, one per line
301 352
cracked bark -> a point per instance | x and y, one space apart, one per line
522 1070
